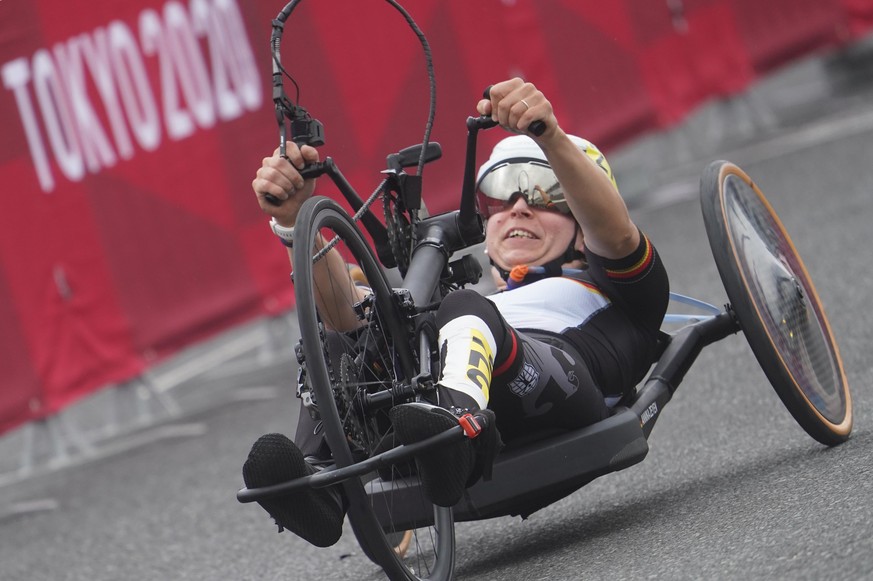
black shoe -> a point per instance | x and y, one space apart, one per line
316 515
392 471
444 471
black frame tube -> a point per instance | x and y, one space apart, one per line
675 362
438 237
333 476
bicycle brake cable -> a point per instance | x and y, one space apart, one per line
308 130
305 130
428 57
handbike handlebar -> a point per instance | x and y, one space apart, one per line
446 233
536 128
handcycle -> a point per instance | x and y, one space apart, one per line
391 356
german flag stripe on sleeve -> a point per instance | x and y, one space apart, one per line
590 286
638 268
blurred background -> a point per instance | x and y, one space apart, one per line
139 281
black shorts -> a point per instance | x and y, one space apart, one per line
539 381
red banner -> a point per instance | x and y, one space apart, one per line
131 135
132 131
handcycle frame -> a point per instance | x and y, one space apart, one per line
773 302
772 299
548 466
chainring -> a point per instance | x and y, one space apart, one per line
399 231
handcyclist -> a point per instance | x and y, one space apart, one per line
573 329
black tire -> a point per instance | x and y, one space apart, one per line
775 302
382 355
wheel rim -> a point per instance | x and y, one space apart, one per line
351 435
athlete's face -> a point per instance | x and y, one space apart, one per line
520 234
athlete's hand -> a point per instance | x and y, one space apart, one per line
515 104
280 178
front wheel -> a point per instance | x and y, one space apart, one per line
374 353
776 304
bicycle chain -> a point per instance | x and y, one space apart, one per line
343 395
399 230
356 218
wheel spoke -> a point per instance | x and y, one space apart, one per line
372 358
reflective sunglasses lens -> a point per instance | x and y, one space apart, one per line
489 206
534 180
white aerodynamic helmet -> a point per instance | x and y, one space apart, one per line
518 166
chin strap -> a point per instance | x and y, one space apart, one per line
524 274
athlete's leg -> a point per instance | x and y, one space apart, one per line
475 342
530 382
484 362
309 436
471 332
549 387
313 514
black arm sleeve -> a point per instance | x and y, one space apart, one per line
619 343
637 283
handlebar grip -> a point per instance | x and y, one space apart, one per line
312 170
536 128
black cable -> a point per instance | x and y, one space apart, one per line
431 81
275 41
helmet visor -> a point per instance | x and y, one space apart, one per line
532 179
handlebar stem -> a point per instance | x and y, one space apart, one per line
469 220
427 264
